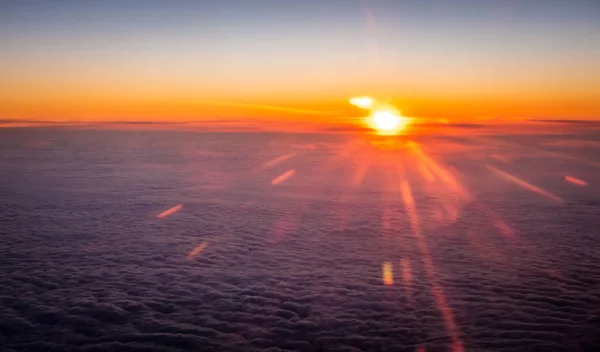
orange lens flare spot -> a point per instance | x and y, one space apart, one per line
388 274
576 181
168 212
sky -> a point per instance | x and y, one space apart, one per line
292 60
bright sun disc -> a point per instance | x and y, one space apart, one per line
385 120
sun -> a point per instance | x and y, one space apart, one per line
384 119
387 121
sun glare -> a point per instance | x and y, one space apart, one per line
384 119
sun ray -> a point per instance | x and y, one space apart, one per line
437 291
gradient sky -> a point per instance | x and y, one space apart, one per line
186 60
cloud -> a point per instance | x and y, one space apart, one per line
88 267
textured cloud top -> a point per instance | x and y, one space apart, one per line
149 241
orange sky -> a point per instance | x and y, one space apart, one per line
154 63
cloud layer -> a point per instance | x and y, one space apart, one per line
87 265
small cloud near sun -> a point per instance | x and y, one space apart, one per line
362 102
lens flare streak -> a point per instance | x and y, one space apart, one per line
199 249
278 160
576 181
525 184
281 178
168 212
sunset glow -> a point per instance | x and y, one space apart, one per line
206 61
